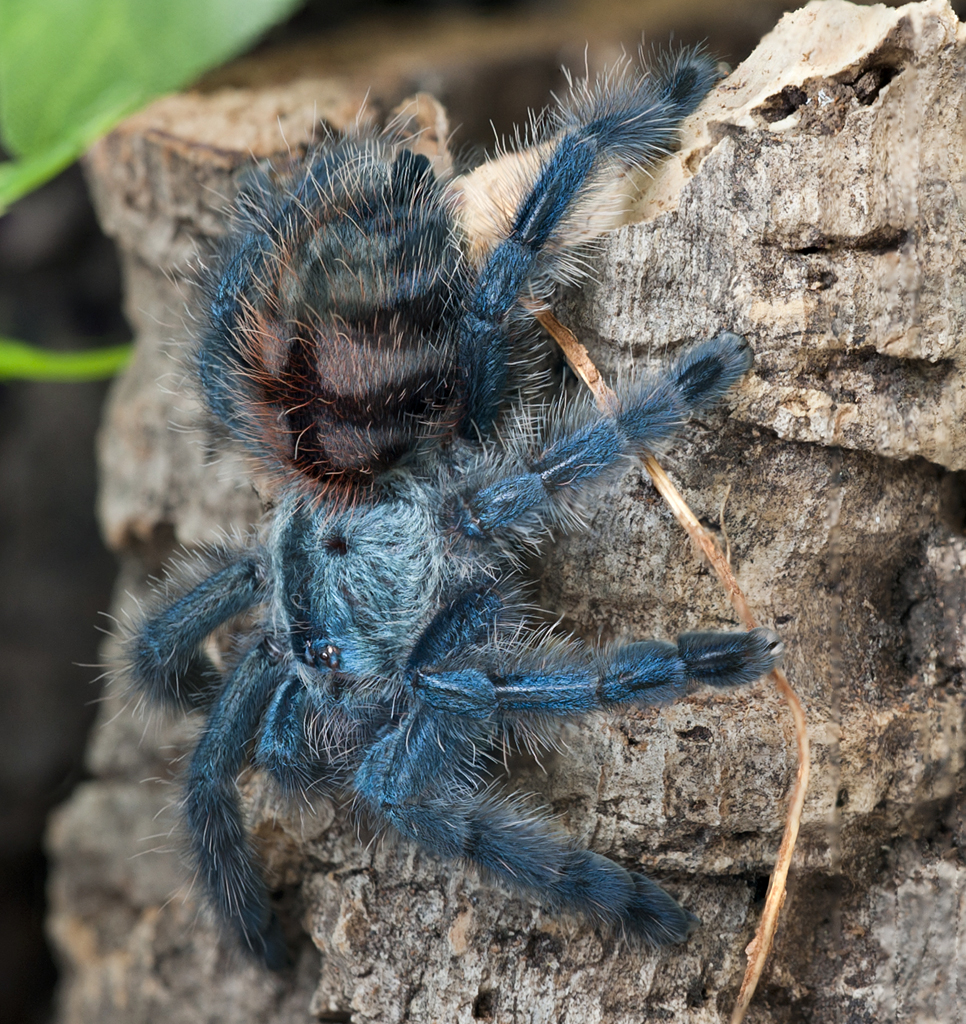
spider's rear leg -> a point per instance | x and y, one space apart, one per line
603 131
420 778
650 413
164 655
685 78
219 844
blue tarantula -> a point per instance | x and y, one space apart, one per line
363 353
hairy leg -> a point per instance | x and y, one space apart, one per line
219 845
467 618
283 747
650 412
559 682
309 738
421 779
164 654
600 133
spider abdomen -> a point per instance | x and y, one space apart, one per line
331 349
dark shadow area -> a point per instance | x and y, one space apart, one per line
59 288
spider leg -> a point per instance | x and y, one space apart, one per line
164 656
466 619
416 779
283 748
219 845
604 132
559 683
308 736
649 414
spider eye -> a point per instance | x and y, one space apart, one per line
328 654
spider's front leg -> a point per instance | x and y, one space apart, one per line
308 736
401 776
219 844
167 663
559 682
284 749
422 776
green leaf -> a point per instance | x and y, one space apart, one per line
19 361
71 69
18 177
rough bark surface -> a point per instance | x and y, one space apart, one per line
817 206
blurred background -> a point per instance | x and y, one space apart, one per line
60 288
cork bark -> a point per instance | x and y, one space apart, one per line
817 207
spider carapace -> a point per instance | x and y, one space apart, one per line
371 358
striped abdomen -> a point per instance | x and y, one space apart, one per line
330 350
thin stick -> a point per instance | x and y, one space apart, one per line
759 948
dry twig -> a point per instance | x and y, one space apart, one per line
759 948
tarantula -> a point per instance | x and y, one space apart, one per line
365 354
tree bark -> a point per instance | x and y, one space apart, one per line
817 207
